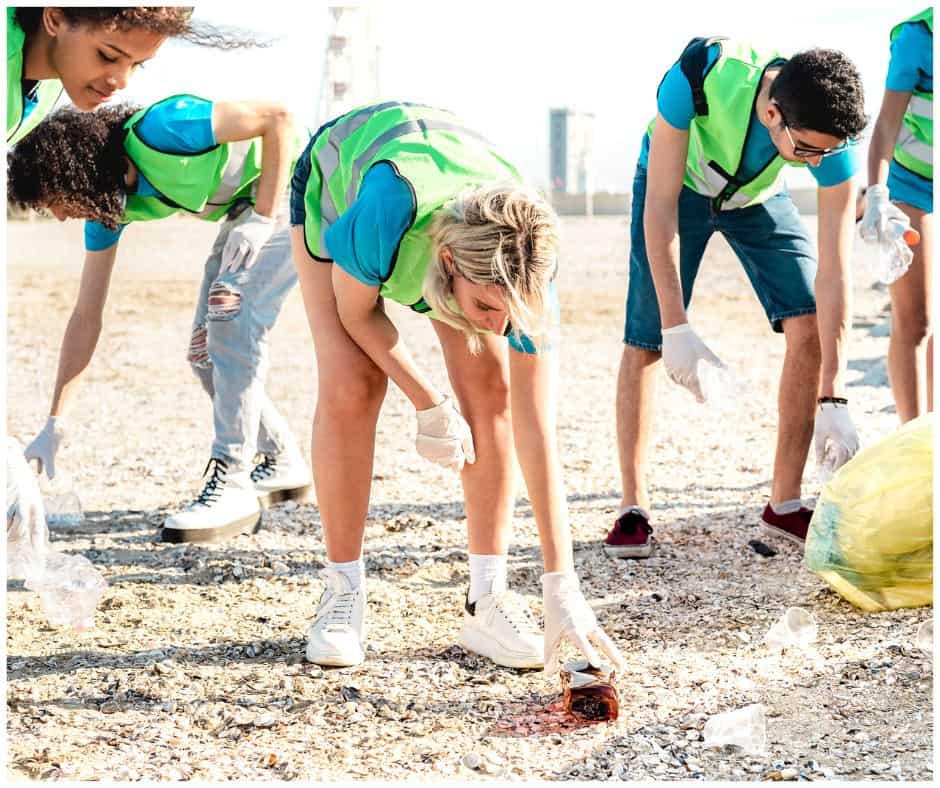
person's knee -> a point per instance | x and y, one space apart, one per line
911 326
349 396
225 302
198 353
486 391
802 336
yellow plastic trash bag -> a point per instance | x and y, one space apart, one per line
871 536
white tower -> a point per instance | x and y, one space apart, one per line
351 63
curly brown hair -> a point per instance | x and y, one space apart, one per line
171 21
75 160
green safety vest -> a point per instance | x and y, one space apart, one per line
914 147
429 148
724 103
47 90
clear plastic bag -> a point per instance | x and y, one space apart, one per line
871 536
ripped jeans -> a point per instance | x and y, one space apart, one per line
229 347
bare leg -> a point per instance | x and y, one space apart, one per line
349 396
481 384
910 326
799 385
636 387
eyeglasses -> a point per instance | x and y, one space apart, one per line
809 153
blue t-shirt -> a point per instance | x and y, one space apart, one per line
911 64
181 125
364 240
29 98
674 101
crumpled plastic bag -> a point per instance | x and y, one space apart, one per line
69 586
871 536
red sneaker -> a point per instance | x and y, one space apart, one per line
793 526
630 536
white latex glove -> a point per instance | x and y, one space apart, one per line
444 436
880 213
568 616
45 445
26 517
683 350
835 437
245 241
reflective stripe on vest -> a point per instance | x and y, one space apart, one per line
913 147
231 178
711 183
328 156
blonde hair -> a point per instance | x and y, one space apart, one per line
504 235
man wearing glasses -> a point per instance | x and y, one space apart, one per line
730 118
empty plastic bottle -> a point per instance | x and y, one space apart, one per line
719 385
894 252
64 509
925 636
69 589
797 627
744 728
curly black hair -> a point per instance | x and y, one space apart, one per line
172 21
821 90
75 160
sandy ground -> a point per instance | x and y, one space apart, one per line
195 669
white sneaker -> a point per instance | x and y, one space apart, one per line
227 506
337 635
282 477
500 626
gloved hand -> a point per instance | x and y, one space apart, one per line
835 437
568 616
683 350
880 213
444 436
45 445
26 517
245 241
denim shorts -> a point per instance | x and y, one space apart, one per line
298 187
909 187
769 239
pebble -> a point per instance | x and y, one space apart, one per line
472 760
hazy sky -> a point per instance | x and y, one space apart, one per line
502 65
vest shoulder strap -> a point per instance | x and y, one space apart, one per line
692 61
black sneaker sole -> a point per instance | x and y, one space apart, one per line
247 525
630 551
303 494
775 531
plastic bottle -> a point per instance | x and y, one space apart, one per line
797 627
61 502
744 728
894 253
719 385
69 589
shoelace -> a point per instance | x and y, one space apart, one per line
214 484
265 469
516 612
340 615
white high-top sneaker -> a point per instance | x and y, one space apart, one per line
282 477
500 626
227 506
337 635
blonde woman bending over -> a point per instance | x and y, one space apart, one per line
413 207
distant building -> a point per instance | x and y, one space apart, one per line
351 61
571 144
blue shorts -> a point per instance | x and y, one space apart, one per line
769 240
909 187
298 187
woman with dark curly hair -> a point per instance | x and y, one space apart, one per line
90 53
217 161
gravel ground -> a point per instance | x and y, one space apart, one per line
196 670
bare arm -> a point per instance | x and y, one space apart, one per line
834 282
667 162
84 327
244 120
371 329
885 134
532 386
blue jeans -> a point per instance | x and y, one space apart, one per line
229 347
769 239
